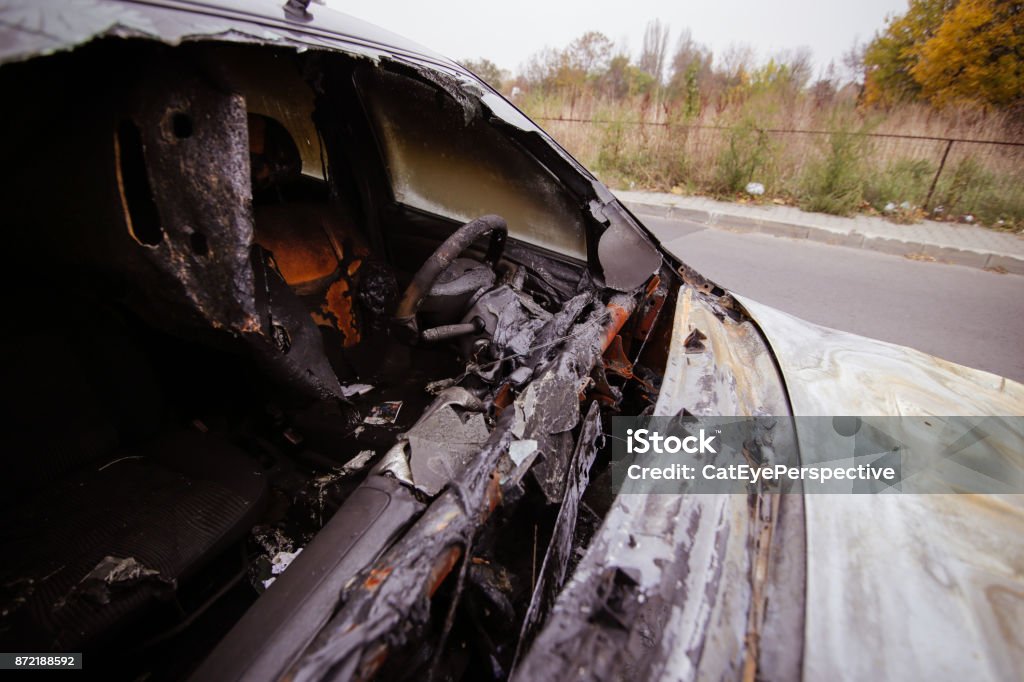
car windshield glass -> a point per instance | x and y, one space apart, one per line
447 159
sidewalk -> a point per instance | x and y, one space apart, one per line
946 242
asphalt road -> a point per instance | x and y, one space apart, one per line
969 316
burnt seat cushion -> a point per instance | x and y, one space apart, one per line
91 469
170 506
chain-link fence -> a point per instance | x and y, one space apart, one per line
940 177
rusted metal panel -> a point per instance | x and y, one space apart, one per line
727 372
676 587
197 162
556 559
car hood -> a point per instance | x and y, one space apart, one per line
902 586
829 372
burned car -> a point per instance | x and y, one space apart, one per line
312 341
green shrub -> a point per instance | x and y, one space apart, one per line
973 189
960 191
905 180
1002 209
747 157
612 141
834 182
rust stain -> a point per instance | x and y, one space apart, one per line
377 576
619 315
652 285
492 495
765 513
615 359
442 567
337 311
503 398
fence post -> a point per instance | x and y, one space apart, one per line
935 180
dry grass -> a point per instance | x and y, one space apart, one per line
824 156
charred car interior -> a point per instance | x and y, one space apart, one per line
312 349
251 320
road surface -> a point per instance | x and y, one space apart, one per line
969 316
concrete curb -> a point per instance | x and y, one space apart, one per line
743 224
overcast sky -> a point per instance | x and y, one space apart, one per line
507 33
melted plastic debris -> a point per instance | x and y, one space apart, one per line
282 560
518 322
436 450
384 414
357 463
442 445
396 462
355 389
513 320
519 450
271 540
111 574
277 552
520 376
548 405
435 387
280 563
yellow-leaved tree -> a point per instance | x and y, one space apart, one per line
976 55
890 58
948 52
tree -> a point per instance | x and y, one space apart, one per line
786 73
948 51
977 54
572 69
623 79
487 70
590 53
823 91
736 64
733 75
541 68
691 73
891 56
799 64
654 49
853 62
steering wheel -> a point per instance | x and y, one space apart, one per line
450 249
